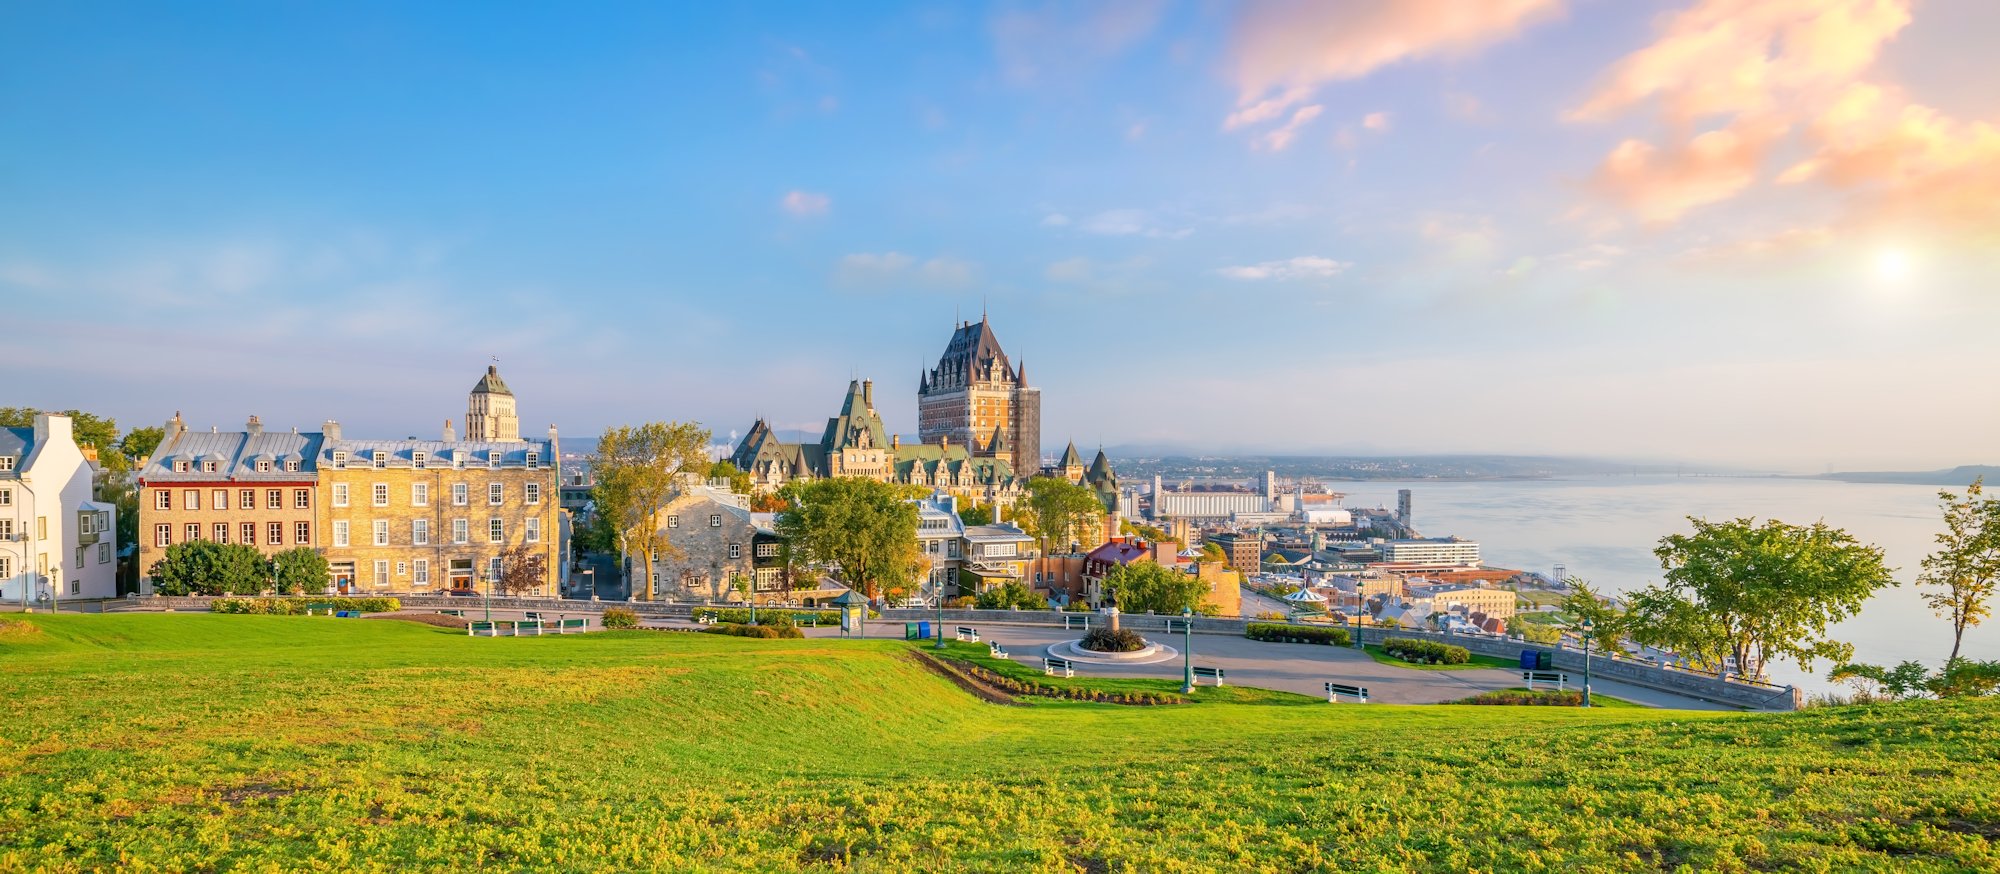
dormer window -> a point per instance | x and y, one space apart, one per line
533 459
292 465
381 458
180 467
6 462
492 458
263 465
458 459
208 466
417 459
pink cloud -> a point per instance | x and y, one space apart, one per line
805 204
1661 185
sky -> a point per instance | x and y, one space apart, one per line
1734 231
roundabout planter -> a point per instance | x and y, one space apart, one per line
1074 651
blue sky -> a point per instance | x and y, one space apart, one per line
1534 226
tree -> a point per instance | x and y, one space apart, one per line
1607 622
1145 587
139 443
862 528
636 470
1961 575
739 481
1057 511
204 567
769 502
1960 678
523 569
1011 594
299 570
976 514
1757 593
1536 632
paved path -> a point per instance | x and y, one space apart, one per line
1256 603
1293 667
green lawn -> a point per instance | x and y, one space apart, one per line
195 742
1477 662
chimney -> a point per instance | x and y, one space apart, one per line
255 426
868 394
944 441
331 429
175 427
450 435
492 370
895 441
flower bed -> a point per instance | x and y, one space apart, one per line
297 606
1426 651
1107 640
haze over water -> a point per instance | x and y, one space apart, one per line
1604 530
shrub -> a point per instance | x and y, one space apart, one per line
1413 650
769 615
1271 616
1523 697
1275 633
1012 595
297 606
1106 640
620 617
765 632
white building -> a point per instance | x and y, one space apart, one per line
54 540
1432 551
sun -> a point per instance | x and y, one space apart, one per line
1892 265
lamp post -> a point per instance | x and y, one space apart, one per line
486 587
1354 618
1587 626
937 598
1187 650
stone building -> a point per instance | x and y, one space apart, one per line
435 515
976 398
251 487
856 444
489 410
1244 551
55 540
717 543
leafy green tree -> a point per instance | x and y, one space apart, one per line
1057 512
1959 578
139 443
1607 622
862 529
739 481
1536 632
1012 594
299 570
1960 678
1758 593
204 567
976 514
636 470
1143 587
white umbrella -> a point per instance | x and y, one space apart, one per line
1306 595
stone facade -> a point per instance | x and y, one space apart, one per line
716 542
976 398
251 486
856 444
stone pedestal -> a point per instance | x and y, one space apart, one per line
1110 615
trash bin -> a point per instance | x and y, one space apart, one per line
1530 660
1545 661
924 630
910 631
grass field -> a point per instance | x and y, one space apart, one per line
195 742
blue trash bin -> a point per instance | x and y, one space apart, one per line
924 630
1528 659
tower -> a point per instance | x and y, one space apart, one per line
1403 507
489 410
974 391
1070 467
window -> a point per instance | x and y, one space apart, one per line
420 532
673 521
420 494
163 536
340 494
492 459
85 523
339 459
302 533
417 458
292 465
274 533
402 569
6 462
458 493
533 531
381 532
302 499
6 566
246 499
381 573
736 550
180 467
380 458
79 561
715 520
495 531
423 572
493 568
381 492
250 533
767 550
263 465
274 499
163 500
221 532
495 493
219 499
191 499
192 532
534 460
460 531
534 493
6 529
41 527
340 532
208 466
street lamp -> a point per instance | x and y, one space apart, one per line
486 586
1587 626
937 598
1187 650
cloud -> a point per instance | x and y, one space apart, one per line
1661 185
1277 140
1131 222
805 204
1055 220
1292 47
1302 267
897 270
1376 121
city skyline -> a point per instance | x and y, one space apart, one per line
1537 227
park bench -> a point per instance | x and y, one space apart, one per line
1055 667
481 629
318 606
528 627
1176 624
993 649
532 615
566 626
1557 677
1072 623
966 633
706 619
451 612
809 620
1334 690
1201 673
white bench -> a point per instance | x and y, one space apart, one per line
1334 690
966 633
527 627
1201 673
1557 677
1055 667
1072 622
1177 625
993 649
705 619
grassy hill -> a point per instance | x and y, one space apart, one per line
183 742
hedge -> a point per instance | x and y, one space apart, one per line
1427 651
620 617
297 606
1038 689
741 615
767 632
1274 633
1523 697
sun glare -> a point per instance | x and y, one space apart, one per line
1892 265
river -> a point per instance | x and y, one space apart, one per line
1604 529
